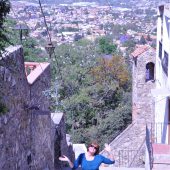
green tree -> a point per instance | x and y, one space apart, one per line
111 69
32 52
4 10
91 91
106 46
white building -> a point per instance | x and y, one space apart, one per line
162 79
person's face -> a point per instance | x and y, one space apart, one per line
92 149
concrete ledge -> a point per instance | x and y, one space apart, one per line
36 69
10 50
78 149
56 117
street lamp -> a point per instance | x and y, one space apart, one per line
21 28
50 49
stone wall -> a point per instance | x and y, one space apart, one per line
62 145
28 135
15 138
129 146
143 102
42 146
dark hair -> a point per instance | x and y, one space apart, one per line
96 146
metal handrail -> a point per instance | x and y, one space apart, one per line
137 153
158 132
128 154
149 145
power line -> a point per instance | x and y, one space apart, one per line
45 22
27 25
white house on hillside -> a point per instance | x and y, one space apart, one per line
162 78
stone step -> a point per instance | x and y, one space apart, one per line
120 168
161 167
164 159
111 168
161 153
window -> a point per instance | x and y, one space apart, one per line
161 10
165 63
160 50
150 71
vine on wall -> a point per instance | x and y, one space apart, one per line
3 108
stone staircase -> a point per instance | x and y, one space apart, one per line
161 162
129 146
161 155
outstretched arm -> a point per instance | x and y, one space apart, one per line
66 159
108 150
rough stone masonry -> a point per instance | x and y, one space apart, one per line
28 139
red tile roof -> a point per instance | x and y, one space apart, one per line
139 50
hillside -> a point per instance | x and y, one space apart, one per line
122 3
63 1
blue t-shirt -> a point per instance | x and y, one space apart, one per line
91 165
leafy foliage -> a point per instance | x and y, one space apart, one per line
30 45
106 47
93 91
111 69
4 10
3 108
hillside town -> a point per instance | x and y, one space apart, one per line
70 22
81 107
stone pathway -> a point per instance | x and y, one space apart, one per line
161 157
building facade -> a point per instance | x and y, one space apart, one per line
162 91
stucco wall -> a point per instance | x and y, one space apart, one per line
162 91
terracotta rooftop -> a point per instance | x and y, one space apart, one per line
139 50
